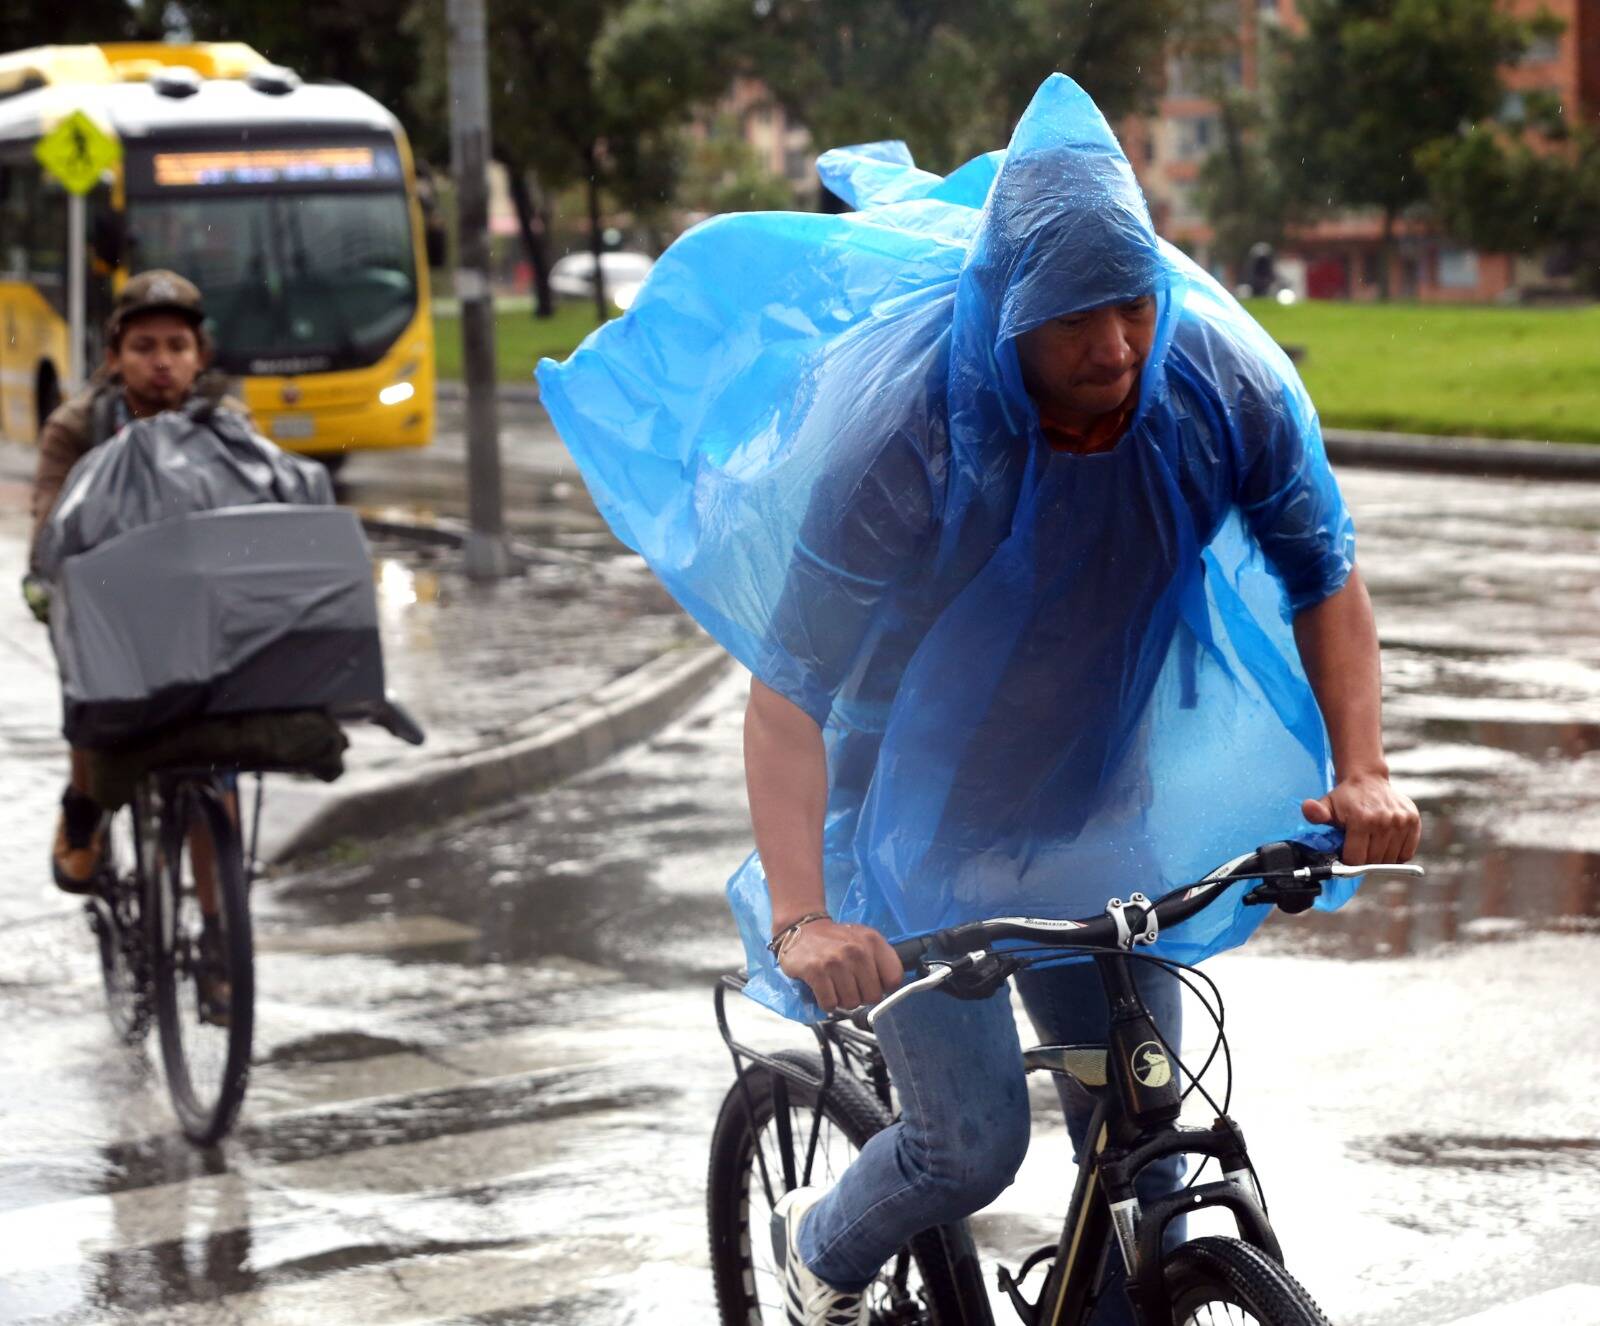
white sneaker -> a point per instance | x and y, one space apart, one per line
807 1300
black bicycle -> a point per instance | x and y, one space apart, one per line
170 912
795 1118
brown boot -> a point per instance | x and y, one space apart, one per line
80 843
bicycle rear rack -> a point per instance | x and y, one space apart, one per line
856 1049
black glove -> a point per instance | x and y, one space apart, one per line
37 593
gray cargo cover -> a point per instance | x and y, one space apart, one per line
252 608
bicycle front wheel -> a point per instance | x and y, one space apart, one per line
1223 1282
927 1282
204 969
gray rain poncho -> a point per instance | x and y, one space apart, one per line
1043 678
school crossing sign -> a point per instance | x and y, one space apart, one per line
76 151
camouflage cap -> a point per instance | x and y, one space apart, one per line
155 291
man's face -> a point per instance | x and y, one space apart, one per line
1087 363
159 358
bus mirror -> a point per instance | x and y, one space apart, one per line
437 244
108 238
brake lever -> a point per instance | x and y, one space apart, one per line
1293 891
939 971
1339 870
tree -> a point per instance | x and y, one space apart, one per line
556 117
1497 190
723 174
949 77
1239 187
1367 85
365 43
26 23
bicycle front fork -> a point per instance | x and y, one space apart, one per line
1140 1225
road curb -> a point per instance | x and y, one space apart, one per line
557 744
1464 455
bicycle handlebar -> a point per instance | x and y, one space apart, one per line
1291 873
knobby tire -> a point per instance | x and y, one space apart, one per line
1212 1280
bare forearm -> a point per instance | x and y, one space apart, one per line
1338 642
786 777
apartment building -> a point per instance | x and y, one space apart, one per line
1339 257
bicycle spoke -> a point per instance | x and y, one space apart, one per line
1219 1314
885 1295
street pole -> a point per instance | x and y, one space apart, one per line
76 320
488 556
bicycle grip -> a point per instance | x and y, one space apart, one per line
910 951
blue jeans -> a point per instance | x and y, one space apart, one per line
963 1126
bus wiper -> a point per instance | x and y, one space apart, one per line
304 272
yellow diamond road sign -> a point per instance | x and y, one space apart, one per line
76 151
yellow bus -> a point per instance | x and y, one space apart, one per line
293 206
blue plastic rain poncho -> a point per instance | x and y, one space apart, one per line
1044 679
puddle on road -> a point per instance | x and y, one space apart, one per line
472 661
1511 842
1486 1153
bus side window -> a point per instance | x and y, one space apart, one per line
47 236
13 226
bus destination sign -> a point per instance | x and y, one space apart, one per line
276 165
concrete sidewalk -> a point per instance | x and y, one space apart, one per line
518 684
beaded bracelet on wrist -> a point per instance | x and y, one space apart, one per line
780 941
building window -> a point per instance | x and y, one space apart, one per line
1543 47
1185 204
799 163
1189 76
1458 269
1194 137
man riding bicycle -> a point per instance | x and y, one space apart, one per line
1026 532
157 352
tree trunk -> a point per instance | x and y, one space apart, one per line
601 304
533 230
1385 253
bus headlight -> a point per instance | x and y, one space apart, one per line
399 392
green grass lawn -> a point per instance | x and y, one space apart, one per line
1430 368
1407 368
520 339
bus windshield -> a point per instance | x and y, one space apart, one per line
294 282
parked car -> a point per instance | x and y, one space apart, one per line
572 277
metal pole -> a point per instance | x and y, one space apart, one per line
488 557
76 208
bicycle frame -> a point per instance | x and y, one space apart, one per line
1133 1125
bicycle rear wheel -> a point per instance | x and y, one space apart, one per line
115 918
933 1281
1223 1282
204 968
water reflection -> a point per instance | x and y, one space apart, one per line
1507 840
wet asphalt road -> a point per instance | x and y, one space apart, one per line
486 1067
